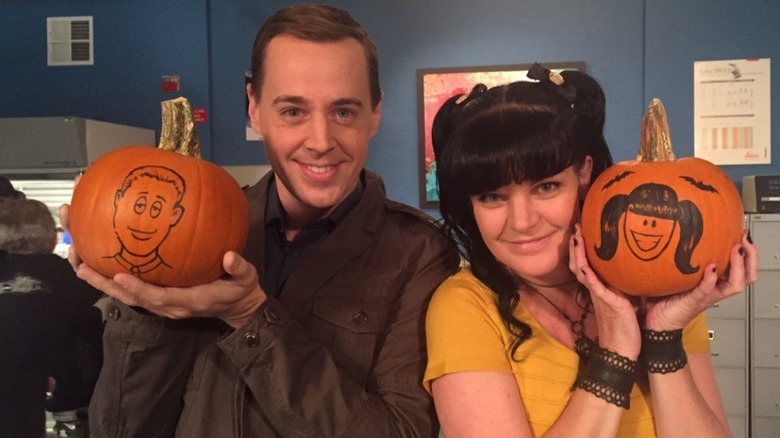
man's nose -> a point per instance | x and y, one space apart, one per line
320 138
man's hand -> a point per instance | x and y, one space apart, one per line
232 298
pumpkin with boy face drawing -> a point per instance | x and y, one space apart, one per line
159 215
651 226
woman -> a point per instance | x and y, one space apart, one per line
528 341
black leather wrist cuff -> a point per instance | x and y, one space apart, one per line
662 351
609 376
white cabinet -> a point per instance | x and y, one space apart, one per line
728 321
745 340
765 328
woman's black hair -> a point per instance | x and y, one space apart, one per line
523 131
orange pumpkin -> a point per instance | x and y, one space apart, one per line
162 216
652 225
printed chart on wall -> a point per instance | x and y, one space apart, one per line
732 111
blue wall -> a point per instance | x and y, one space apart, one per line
136 42
638 49
682 32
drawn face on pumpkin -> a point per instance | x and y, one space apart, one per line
147 208
646 236
653 215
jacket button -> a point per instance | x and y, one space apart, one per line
251 339
360 317
114 313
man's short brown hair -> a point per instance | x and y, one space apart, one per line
320 23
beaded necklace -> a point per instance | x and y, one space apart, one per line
582 344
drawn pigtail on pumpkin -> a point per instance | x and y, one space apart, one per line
650 202
691 228
610 233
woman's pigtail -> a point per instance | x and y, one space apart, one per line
443 124
554 81
590 106
445 121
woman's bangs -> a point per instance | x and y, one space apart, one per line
516 150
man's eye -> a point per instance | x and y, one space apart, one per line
156 209
344 113
140 205
292 112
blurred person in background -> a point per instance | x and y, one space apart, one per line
48 324
7 190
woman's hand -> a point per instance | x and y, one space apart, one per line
677 311
616 313
232 298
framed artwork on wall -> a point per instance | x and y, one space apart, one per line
436 85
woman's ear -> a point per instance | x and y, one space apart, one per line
585 172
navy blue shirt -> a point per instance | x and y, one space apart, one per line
282 256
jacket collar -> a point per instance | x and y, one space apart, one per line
347 241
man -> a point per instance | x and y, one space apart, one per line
332 343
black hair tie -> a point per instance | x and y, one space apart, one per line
552 80
476 91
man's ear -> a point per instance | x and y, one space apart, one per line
376 117
178 212
252 111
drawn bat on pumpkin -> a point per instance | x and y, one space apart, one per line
616 179
653 212
699 184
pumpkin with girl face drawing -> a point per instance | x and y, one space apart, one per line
651 226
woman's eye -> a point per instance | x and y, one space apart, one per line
487 198
548 187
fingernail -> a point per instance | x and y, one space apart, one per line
750 241
742 251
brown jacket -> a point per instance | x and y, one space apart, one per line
340 353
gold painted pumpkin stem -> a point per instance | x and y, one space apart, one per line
178 132
655 144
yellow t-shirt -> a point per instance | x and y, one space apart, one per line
466 333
